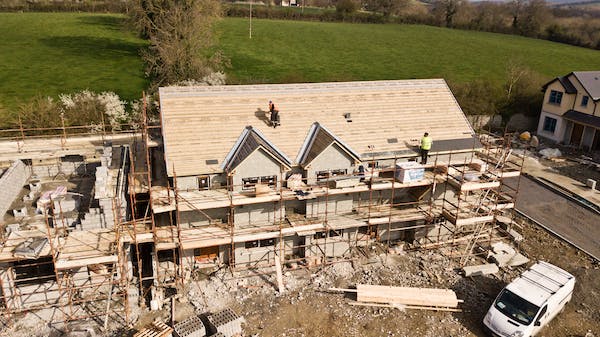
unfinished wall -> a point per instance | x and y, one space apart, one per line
59 166
11 183
191 182
395 231
258 214
190 219
333 246
255 256
333 204
293 246
374 198
332 158
187 183
258 164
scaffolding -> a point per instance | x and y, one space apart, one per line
382 211
165 232
477 194
47 262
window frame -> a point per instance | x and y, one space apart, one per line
328 174
555 97
549 124
585 100
202 186
249 183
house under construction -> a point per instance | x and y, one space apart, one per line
98 225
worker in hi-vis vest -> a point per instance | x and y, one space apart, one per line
426 142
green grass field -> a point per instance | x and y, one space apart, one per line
286 51
52 53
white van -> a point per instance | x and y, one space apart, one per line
529 302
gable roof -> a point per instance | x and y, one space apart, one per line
200 125
565 82
249 141
590 80
318 139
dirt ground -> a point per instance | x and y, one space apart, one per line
308 309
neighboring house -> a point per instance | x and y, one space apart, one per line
571 110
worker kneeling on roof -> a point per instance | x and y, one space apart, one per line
274 114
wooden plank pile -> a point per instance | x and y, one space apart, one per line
156 329
404 297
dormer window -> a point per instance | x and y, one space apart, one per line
584 100
555 97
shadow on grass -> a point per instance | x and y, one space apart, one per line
94 47
105 21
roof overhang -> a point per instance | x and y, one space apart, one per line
581 118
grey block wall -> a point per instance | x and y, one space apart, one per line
60 167
255 256
253 214
334 204
11 183
189 219
332 158
258 164
332 246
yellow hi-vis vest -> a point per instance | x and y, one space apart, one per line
426 143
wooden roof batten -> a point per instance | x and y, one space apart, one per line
200 125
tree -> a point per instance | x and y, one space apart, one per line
445 11
529 16
345 7
387 7
182 38
536 14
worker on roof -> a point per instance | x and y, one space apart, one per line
274 114
425 146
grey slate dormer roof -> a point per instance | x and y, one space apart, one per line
250 140
318 139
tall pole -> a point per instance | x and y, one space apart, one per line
250 19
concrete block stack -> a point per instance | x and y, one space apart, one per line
190 327
11 183
66 203
226 322
104 191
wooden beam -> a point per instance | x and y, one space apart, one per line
406 295
400 306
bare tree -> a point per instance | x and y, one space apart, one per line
182 38
387 7
446 10
529 16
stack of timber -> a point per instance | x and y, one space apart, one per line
404 297
156 329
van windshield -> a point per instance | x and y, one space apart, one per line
515 307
